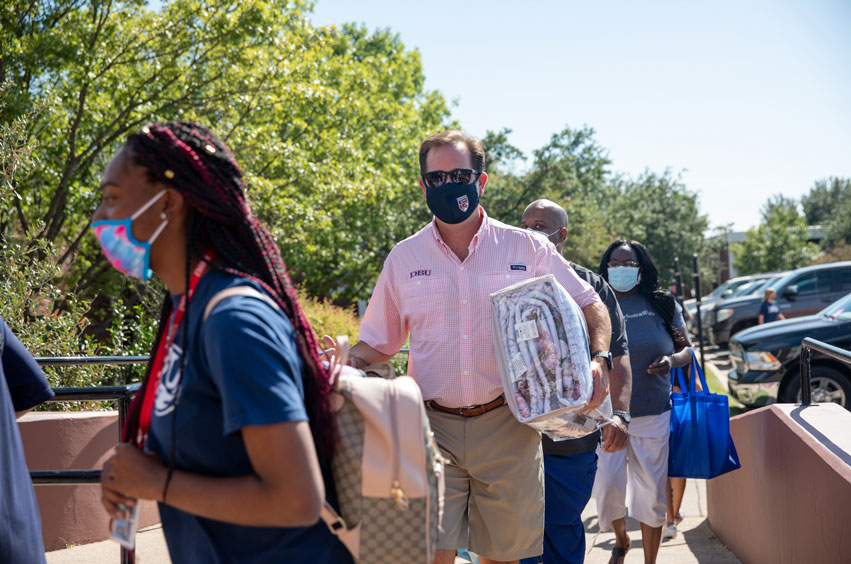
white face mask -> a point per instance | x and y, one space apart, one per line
542 234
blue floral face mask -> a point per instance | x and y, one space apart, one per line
623 278
122 250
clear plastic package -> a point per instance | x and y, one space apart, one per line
541 343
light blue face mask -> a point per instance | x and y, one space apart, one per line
542 234
623 278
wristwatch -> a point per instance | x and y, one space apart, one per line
622 414
607 355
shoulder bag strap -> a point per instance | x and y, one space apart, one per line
237 291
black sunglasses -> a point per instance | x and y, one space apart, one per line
437 178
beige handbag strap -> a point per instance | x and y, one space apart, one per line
332 519
238 291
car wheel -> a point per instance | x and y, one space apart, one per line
828 385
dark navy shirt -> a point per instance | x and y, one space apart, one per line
769 311
22 386
242 368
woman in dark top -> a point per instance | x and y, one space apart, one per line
769 311
231 430
657 342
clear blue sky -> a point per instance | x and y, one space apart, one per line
748 98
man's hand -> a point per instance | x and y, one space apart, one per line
600 375
615 435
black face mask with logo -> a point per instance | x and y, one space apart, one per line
453 203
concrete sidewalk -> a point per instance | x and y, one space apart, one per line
695 542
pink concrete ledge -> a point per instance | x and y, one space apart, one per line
791 500
72 515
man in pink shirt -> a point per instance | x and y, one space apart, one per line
434 289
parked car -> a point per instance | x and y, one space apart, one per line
766 359
725 290
744 286
801 292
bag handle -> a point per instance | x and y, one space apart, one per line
695 373
339 359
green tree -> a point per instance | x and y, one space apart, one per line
820 203
572 164
325 122
660 212
570 170
780 242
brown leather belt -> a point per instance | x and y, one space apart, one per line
470 411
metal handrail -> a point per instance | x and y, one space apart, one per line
807 346
86 360
79 477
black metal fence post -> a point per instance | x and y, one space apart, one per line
696 277
806 381
678 281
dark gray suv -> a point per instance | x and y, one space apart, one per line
804 291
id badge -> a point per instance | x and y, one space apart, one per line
124 530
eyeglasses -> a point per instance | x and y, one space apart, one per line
437 178
630 263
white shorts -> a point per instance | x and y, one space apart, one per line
635 477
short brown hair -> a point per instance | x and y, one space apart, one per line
454 137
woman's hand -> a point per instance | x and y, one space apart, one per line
661 365
130 474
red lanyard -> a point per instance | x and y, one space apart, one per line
165 345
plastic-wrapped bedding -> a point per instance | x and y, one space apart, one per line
541 344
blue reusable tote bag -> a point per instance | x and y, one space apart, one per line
700 443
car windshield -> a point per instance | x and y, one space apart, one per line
719 290
765 284
746 289
731 288
749 288
839 310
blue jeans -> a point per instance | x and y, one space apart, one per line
567 487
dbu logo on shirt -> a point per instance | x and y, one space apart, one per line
164 402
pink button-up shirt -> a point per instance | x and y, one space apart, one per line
427 292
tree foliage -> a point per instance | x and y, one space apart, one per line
820 203
659 211
326 123
780 242
828 204
573 171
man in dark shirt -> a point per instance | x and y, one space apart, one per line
22 387
570 465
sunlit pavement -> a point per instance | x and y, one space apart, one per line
695 541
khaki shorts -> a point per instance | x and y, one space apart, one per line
494 484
